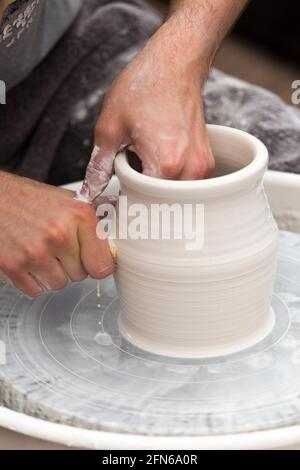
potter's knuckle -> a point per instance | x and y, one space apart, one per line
172 167
212 166
106 130
33 252
84 212
10 267
59 284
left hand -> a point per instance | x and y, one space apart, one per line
155 109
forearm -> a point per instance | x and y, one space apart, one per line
200 26
3 182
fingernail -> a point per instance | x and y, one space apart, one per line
107 271
36 296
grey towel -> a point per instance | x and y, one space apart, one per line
232 102
48 123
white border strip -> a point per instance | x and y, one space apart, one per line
69 436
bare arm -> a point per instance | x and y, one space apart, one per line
154 107
201 25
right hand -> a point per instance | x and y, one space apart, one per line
47 237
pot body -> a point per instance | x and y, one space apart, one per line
213 299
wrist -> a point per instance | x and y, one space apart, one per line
193 29
197 28
180 49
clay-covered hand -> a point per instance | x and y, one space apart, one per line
47 237
155 109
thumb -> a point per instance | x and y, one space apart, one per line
100 167
98 173
94 252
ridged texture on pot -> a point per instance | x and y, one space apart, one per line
208 302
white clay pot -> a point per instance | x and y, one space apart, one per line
216 300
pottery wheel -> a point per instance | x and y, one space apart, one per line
62 359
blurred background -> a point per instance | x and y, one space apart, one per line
264 46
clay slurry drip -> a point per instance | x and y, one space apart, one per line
102 338
113 252
98 293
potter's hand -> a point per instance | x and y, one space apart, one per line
154 107
155 110
46 237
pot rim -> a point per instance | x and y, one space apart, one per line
251 174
